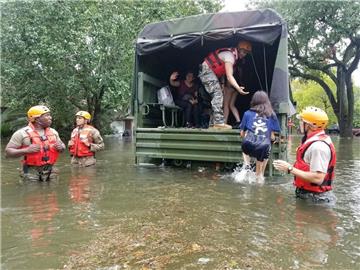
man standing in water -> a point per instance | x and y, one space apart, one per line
85 141
38 143
315 158
216 65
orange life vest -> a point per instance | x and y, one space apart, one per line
302 165
47 154
216 64
80 138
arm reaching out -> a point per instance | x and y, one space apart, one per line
173 79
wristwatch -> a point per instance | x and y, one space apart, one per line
290 168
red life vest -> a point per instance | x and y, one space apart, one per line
80 138
302 165
216 64
47 154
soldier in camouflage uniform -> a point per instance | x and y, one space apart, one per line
216 65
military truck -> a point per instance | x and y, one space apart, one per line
183 43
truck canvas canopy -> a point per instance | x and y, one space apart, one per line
183 43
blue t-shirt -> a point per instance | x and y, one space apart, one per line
259 125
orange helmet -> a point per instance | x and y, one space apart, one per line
84 114
315 117
245 45
37 111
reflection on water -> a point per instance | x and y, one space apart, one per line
166 218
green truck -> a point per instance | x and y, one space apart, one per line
170 45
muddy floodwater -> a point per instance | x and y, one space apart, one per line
121 216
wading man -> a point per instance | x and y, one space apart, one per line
315 158
39 144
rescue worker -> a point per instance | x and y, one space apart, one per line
85 141
39 144
315 158
216 65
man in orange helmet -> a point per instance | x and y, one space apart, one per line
85 141
315 158
39 144
220 64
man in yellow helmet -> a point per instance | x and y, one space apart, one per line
85 141
315 158
220 64
39 144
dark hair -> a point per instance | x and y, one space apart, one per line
260 103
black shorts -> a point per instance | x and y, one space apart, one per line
256 147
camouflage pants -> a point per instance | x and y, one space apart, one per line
83 161
39 173
212 86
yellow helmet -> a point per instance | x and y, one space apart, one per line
37 111
84 114
314 116
245 45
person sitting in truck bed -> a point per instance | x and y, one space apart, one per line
186 97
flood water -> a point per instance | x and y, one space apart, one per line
170 218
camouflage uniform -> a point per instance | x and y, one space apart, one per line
39 173
212 86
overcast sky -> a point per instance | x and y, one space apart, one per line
238 5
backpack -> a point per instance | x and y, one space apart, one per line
165 97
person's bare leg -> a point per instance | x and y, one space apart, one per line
227 97
263 166
259 171
246 159
233 108
258 168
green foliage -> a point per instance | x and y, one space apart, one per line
324 42
311 94
73 55
11 120
356 121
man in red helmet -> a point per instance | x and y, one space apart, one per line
217 65
315 158
85 141
39 144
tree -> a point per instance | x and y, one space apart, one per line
309 93
324 39
78 55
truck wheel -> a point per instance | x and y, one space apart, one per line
178 162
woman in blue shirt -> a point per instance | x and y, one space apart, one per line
258 128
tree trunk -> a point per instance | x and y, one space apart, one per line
345 97
97 110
